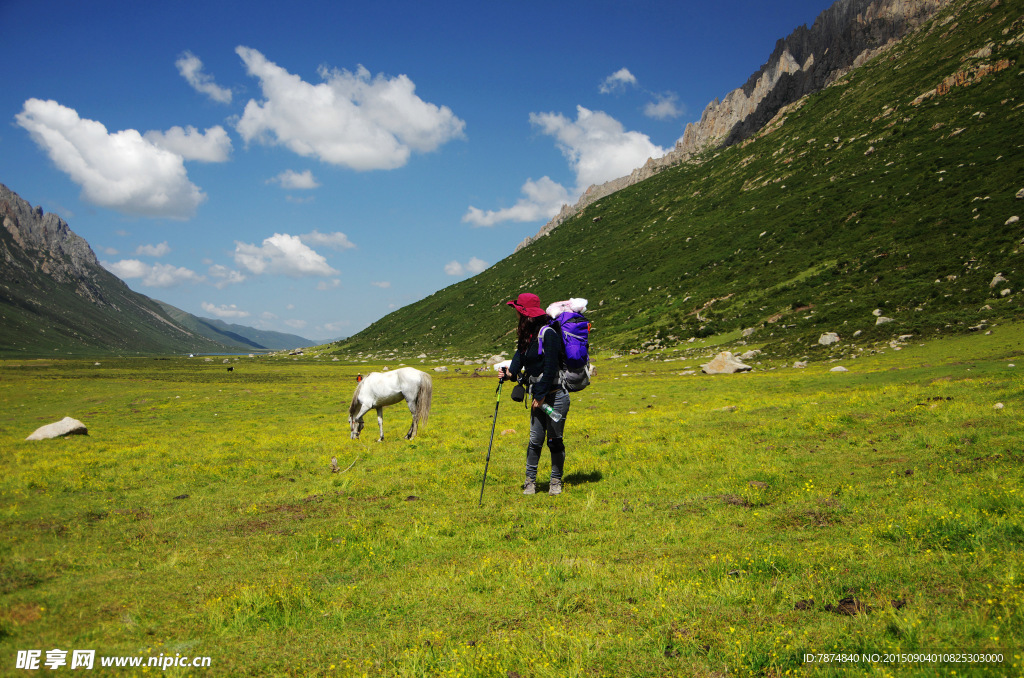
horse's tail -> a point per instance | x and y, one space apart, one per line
353 409
423 395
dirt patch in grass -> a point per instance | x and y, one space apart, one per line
22 614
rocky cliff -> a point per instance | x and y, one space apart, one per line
41 243
844 36
55 295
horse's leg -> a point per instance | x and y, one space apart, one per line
412 429
380 423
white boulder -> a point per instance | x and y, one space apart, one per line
724 363
65 427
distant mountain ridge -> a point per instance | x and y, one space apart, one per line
239 334
56 298
844 36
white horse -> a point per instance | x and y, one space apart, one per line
378 389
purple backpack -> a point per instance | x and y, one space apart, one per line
574 330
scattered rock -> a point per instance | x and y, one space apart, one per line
65 427
725 363
800 364
828 338
877 312
1020 194
883 320
839 368
998 406
1012 220
996 280
751 354
857 333
747 332
440 369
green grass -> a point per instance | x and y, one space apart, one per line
200 517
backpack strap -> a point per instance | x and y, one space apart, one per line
556 327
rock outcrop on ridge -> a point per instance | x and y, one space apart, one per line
843 37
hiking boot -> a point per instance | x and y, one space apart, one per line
555 487
530 487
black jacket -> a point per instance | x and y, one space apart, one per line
541 370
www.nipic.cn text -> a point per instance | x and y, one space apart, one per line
33 660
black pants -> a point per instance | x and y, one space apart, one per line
541 425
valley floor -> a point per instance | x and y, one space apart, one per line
780 521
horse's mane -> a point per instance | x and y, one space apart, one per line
353 409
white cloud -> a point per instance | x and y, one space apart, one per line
325 285
153 275
224 311
282 254
617 81
122 171
213 145
383 284
542 200
296 324
474 266
336 240
225 276
153 250
295 180
598 149
349 119
596 145
110 251
664 107
191 68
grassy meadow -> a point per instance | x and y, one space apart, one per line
711 525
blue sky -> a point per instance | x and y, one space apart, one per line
308 167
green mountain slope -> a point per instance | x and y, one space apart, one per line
864 199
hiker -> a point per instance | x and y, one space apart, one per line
540 365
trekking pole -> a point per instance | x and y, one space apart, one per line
494 422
